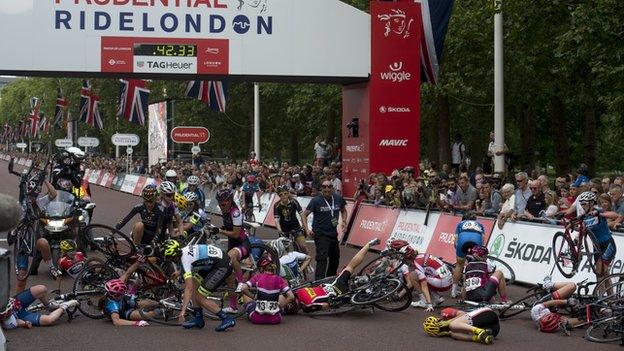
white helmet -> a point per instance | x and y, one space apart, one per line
278 246
76 151
167 187
586 197
171 174
193 180
191 196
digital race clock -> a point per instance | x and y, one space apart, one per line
165 50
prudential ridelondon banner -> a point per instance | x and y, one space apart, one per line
157 133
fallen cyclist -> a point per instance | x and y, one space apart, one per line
548 321
317 297
482 280
481 325
15 313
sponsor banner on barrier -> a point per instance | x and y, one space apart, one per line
442 242
93 177
411 228
28 163
109 183
527 248
87 173
265 202
139 186
270 217
211 203
104 179
100 177
129 183
118 181
372 222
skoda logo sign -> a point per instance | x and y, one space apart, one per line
382 109
498 245
241 24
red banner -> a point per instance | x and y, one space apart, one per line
190 135
355 137
442 243
395 85
269 220
372 222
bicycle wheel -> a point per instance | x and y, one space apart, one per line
110 241
592 249
389 263
165 313
508 272
376 291
610 287
93 278
397 301
524 304
565 260
608 330
24 249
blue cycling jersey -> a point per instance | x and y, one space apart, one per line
127 303
598 226
250 188
469 226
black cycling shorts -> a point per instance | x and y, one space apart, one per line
341 284
487 319
148 236
483 294
211 277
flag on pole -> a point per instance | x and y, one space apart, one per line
435 19
133 100
213 93
35 105
61 105
89 107
44 124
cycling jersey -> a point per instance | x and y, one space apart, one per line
249 189
74 266
233 218
469 233
484 318
209 254
287 215
476 274
207 264
169 211
434 271
124 306
199 216
291 262
598 225
152 220
314 297
270 287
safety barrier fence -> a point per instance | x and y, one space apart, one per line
525 246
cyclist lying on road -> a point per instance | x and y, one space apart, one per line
548 321
481 280
120 306
270 299
71 261
204 269
315 298
481 325
15 315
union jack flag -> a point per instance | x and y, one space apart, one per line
133 100
210 92
89 107
61 105
35 105
435 19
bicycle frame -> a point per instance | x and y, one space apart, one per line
579 226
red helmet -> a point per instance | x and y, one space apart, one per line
251 178
479 251
403 247
550 323
12 306
115 288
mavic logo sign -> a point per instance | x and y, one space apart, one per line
393 142
396 73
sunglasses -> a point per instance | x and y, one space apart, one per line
326 186
519 180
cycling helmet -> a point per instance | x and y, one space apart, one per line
191 197
115 288
64 184
251 178
224 194
431 326
282 189
550 323
193 180
79 154
469 216
171 248
68 245
265 261
479 251
586 197
403 247
278 246
171 174
180 201
149 192
11 306
167 187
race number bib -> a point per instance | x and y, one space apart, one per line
267 307
214 252
472 283
443 272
